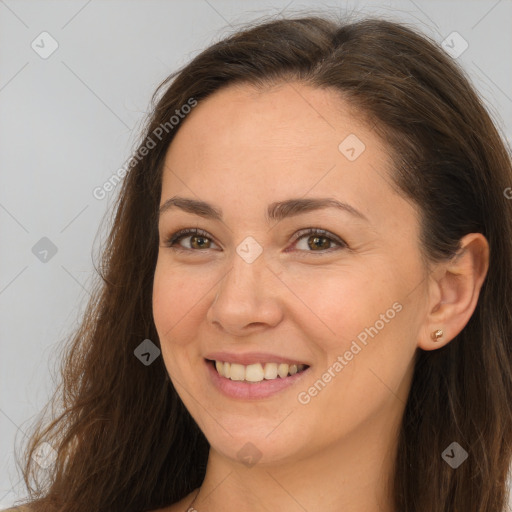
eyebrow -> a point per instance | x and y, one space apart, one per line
275 212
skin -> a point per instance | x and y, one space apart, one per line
240 150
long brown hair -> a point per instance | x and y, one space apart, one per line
125 441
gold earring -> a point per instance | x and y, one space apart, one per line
437 334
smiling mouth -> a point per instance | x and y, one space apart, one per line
256 372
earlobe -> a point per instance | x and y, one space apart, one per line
437 334
454 289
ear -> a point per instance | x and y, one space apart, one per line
453 291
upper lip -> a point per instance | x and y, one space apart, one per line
251 358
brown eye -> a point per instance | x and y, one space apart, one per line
194 240
317 240
199 242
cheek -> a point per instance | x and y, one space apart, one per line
370 354
338 304
178 298
175 302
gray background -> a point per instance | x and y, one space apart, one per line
68 122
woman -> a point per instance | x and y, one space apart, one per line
225 366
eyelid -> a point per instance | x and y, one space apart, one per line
170 240
186 232
321 232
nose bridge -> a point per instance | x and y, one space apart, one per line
245 295
245 278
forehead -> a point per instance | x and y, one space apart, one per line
273 122
256 146
289 128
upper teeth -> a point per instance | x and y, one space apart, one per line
257 372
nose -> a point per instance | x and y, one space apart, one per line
247 298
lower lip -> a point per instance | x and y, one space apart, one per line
252 390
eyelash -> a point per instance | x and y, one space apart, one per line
183 233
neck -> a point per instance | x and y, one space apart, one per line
354 476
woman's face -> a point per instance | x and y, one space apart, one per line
347 302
